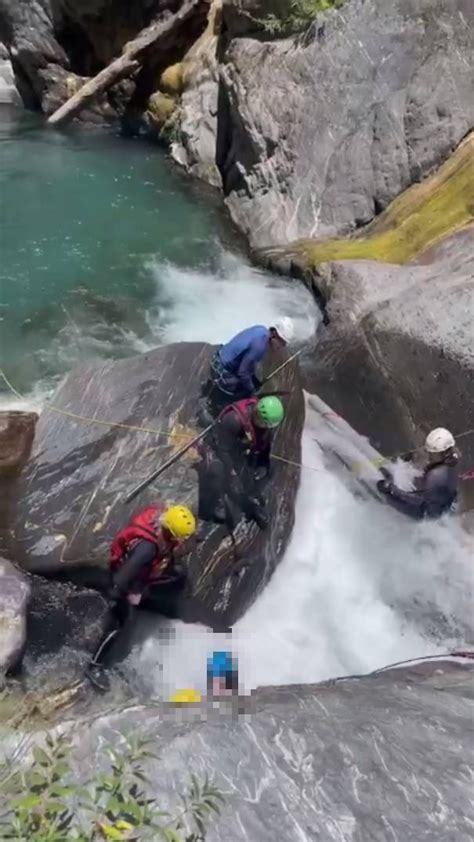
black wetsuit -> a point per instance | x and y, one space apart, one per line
228 480
435 494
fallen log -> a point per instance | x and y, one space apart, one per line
130 60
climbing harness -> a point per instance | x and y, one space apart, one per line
148 480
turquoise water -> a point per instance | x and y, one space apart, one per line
106 251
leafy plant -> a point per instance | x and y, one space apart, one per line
300 14
42 803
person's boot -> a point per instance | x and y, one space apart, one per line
257 512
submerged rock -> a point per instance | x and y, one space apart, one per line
318 132
397 358
69 501
14 595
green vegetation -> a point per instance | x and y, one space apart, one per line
42 802
418 218
296 15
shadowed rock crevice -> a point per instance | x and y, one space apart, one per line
55 45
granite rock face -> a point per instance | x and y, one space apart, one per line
317 133
14 595
398 358
384 757
194 145
8 90
69 499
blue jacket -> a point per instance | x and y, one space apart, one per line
242 354
220 665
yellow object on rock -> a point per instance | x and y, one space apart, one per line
187 697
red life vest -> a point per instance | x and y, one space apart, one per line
144 526
257 436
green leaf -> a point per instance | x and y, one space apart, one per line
111 832
63 791
27 803
41 757
54 807
172 836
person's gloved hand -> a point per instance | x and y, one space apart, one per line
385 486
386 473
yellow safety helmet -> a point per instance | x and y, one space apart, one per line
186 697
180 521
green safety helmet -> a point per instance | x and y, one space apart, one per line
269 412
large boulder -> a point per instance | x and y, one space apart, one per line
14 594
398 358
64 626
8 91
318 132
384 757
17 431
69 500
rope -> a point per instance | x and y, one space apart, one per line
355 467
380 460
86 419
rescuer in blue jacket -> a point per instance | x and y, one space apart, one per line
233 366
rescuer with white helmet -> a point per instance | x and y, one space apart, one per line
436 490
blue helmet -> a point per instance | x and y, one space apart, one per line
220 665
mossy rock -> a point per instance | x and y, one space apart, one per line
421 216
171 80
160 108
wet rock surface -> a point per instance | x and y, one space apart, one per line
194 144
397 358
14 595
64 626
382 757
69 500
317 133
17 430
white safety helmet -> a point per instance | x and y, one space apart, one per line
439 440
285 328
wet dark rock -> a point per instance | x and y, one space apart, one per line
17 431
69 500
14 595
397 358
316 135
65 625
55 44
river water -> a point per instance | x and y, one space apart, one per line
106 252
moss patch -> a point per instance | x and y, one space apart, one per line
418 218
171 80
160 108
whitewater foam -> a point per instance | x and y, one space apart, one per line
197 305
359 587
